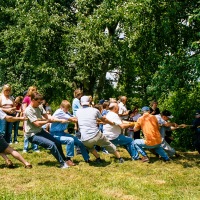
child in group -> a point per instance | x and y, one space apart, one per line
18 105
57 130
133 117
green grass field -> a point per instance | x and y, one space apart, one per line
131 180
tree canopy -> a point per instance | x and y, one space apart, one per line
151 46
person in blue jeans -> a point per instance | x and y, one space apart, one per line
113 132
37 117
152 137
57 130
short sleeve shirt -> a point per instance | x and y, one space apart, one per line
60 114
33 114
112 131
150 128
87 121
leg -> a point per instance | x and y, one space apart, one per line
159 150
83 149
65 138
8 132
7 160
16 127
47 141
15 154
170 151
26 143
139 144
129 145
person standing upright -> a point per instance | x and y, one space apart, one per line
7 105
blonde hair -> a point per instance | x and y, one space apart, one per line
6 87
30 90
65 104
78 92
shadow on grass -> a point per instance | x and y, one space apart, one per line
48 163
187 160
102 164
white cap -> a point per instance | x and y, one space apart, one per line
85 100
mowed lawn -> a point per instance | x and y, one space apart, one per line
132 180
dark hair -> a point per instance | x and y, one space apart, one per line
105 104
166 113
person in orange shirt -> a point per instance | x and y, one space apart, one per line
152 137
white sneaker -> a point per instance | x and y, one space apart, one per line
37 151
25 151
64 166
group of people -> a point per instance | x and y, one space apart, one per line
104 125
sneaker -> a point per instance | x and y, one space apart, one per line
25 151
36 151
98 160
121 160
64 166
145 159
70 163
16 142
105 151
10 143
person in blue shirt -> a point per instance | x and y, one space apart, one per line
57 130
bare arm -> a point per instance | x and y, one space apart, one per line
14 119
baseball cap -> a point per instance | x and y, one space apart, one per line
197 112
101 101
167 113
145 108
85 100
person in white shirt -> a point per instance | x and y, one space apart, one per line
123 112
113 132
164 126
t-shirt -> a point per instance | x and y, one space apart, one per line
122 110
27 100
150 128
2 114
75 105
87 117
112 131
33 114
161 121
57 126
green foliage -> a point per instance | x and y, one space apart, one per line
61 45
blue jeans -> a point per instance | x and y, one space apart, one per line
8 132
128 143
26 144
47 141
70 140
2 126
139 145
16 128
